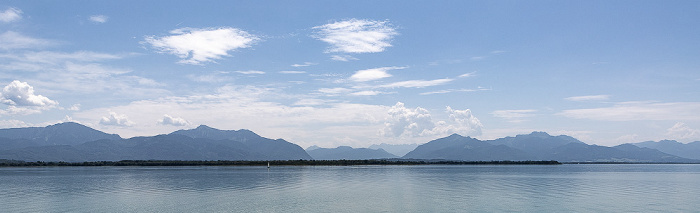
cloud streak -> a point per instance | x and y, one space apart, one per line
373 74
638 111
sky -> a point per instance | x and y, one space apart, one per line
356 73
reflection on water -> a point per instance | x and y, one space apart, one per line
426 188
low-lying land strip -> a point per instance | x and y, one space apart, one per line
11 163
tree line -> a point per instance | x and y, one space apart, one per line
14 163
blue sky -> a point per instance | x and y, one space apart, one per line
356 73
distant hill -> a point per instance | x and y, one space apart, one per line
457 147
68 133
535 146
348 153
73 142
82 143
689 150
278 149
396 149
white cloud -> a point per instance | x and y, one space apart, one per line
343 58
196 46
21 94
173 121
356 36
417 83
334 91
366 93
638 111
404 122
305 64
251 72
292 72
454 90
98 18
13 124
373 74
467 75
14 40
514 116
589 98
681 131
10 15
74 107
115 119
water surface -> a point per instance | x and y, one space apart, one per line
422 188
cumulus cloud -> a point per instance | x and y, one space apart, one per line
10 15
681 131
588 98
418 122
98 19
356 36
19 93
638 111
173 121
373 74
14 40
197 46
115 119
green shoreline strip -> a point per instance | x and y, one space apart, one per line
271 163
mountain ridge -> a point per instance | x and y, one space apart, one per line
76 142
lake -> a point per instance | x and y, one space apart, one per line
420 188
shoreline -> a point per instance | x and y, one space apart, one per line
265 163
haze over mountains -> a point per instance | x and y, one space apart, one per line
74 142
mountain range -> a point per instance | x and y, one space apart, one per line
73 142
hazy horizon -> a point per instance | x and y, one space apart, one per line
356 73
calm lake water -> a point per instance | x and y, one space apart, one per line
424 188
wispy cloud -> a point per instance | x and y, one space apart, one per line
305 64
467 75
197 46
367 93
589 98
514 116
373 74
292 72
334 91
356 35
639 111
10 15
343 58
251 72
100 19
14 40
417 83
453 90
